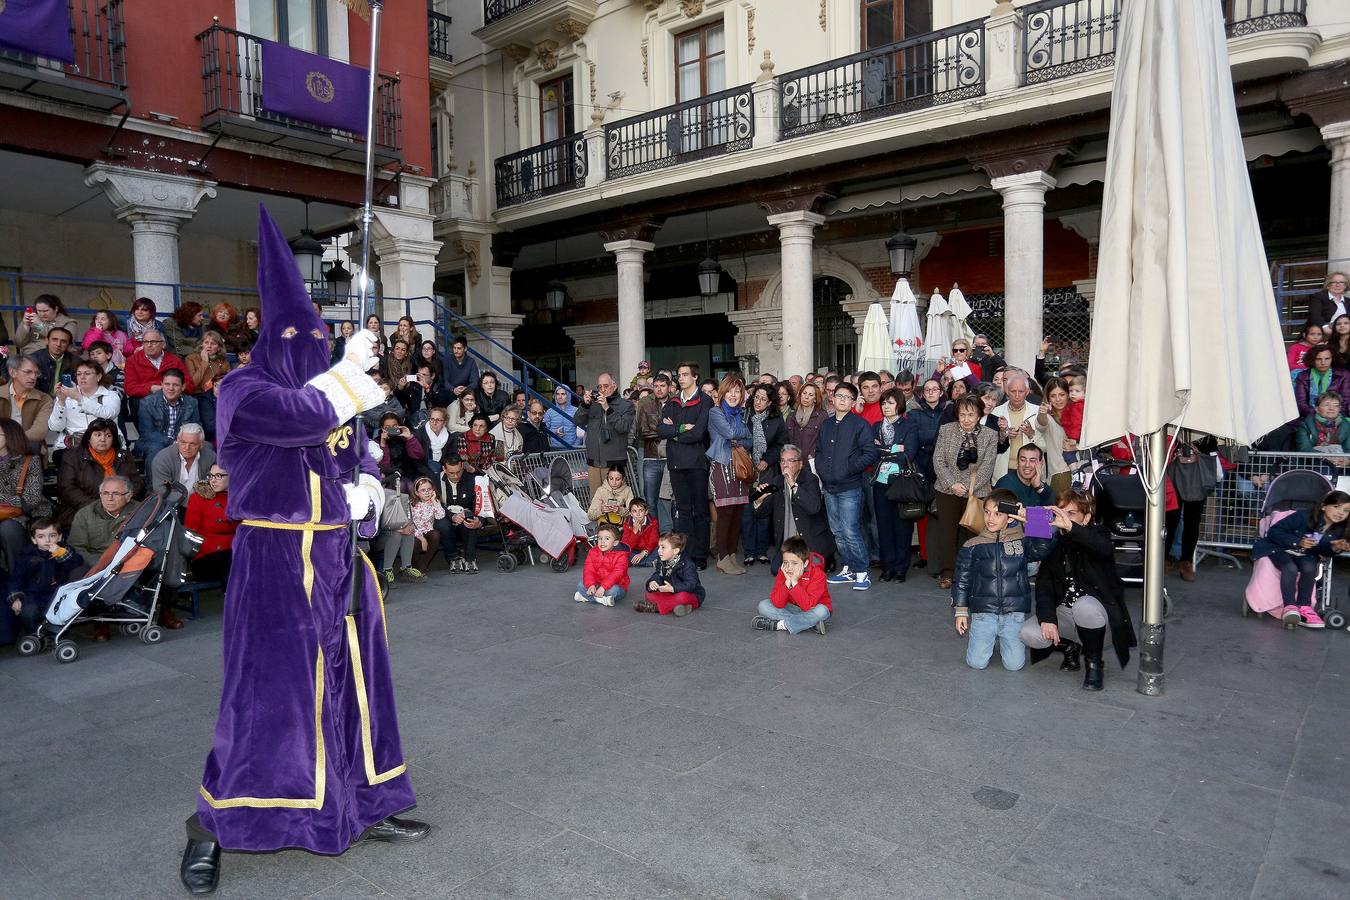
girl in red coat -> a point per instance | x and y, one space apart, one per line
800 599
206 516
604 578
640 534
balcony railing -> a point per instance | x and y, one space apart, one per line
233 99
1250 16
540 171
438 35
696 129
926 70
496 10
1067 37
100 53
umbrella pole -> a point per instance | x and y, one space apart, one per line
1151 629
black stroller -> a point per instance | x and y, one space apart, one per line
123 587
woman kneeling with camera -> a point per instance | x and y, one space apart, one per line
1078 594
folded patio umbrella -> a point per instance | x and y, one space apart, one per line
876 351
906 333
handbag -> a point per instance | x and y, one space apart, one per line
397 512
1195 475
973 518
911 493
742 464
13 512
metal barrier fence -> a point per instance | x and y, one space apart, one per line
524 465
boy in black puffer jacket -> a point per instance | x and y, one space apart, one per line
991 593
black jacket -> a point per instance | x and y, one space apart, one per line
79 478
1087 552
844 453
686 449
991 574
47 367
535 440
808 510
681 574
456 495
775 436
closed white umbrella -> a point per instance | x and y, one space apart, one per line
1184 301
960 313
876 351
906 333
938 343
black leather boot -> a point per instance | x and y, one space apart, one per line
1073 652
200 869
395 830
1093 640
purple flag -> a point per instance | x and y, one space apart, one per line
39 27
313 88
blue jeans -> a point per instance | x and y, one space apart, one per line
754 533
844 511
797 619
652 470
616 592
985 629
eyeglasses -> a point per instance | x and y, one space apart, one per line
152 341
437 421
218 475
1335 282
112 493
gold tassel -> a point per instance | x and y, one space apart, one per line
360 7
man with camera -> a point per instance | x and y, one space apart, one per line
608 420
792 501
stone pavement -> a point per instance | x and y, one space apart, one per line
573 751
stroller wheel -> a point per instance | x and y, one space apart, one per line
152 634
29 645
507 562
132 629
1246 610
561 564
67 651
1333 617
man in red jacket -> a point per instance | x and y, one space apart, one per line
604 578
144 367
800 599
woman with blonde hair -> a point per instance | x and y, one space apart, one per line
1329 304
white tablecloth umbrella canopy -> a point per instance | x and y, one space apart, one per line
876 351
906 332
960 313
937 344
1184 325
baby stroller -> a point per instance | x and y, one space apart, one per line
546 512
1298 490
1122 506
123 587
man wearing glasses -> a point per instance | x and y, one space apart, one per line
1329 305
95 527
145 367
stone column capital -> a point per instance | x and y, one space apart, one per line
1040 156
795 200
1337 138
640 229
149 197
1023 182
629 250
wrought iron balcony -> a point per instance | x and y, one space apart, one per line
232 87
709 126
97 77
540 171
926 70
438 36
1066 37
496 10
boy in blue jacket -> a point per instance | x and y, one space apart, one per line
42 567
845 450
991 594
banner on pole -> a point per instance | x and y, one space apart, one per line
313 88
39 27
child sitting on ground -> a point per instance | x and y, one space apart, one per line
674 586
991 593
42 567
604 577
800 599
610 502
640 534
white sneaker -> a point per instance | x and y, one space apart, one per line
604 599
844 576
580 597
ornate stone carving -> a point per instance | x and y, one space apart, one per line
517 53
590 66
547 51
824 18
639 229
750 30
1031 157
652 5
806 198
644 60
765 69
573 28
472 266
691 8
515 105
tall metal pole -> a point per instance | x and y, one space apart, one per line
1151 629
368 208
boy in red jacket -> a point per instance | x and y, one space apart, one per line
800 599
604 578
640 534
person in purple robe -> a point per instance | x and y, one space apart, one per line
306 751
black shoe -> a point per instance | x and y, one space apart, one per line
885 575
898 577
702 566
763 560
764 623
200 869
397 831
1092 678
921 563
1073 652
749 561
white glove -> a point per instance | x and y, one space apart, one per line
361 350
349 389
364 496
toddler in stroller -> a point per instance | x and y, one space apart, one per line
1303 524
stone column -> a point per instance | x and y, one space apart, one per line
404 243
630 255
796 235
597 349
1023 262
1337 138
156 206
487 260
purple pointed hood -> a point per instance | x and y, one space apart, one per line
292 343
